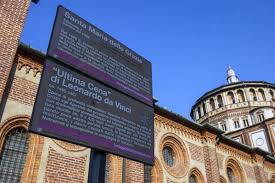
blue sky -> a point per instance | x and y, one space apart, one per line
189 42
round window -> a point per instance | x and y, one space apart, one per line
168 156
174 156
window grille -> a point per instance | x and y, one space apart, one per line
168 156
13 155
147 174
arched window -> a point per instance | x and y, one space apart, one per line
272 95
234 171
168 156
261 95
212 104
174 155
220 101
230 98
240 95
13 155
253 96
199 112
193 179
204 108
196 176
231 176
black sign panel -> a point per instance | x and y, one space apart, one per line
80 44
81 110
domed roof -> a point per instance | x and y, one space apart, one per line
235 85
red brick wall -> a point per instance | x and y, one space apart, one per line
220 160
260 175
211 165
196 152
23 91
249 171
13 14
62 168
113 172
32 163
134 172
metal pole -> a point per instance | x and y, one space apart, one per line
123 170
97 167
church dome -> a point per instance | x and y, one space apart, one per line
235 105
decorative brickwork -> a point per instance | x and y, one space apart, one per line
220 160
260 178
249 171
157 172
196 152
30 63
211 164
222 179
61 168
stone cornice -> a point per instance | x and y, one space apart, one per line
36 67
234 152
177 128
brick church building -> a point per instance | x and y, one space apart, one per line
184 151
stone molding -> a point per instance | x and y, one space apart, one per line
49 143
29 172
69 146
195 171
157 172
36 67
177 128
12 123
233 152
236 167
181 155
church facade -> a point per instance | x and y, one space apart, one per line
184 151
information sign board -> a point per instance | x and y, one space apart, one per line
76 108
81 45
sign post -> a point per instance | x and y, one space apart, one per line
95 92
